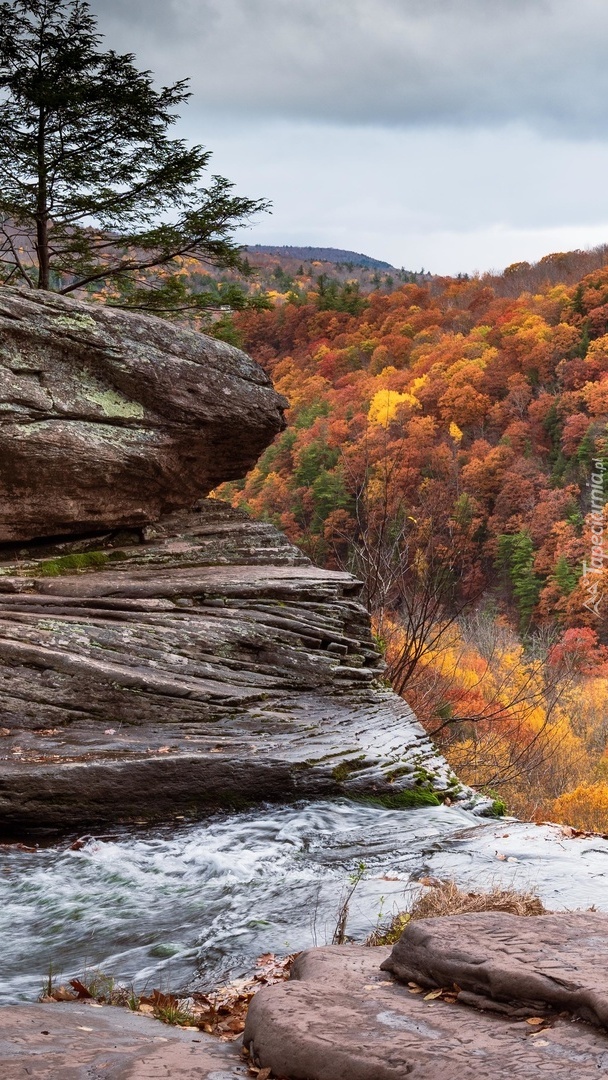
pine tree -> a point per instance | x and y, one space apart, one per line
565 577
93 188
516 556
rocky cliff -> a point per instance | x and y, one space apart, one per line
110 419
153 671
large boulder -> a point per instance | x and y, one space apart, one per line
496 959
111 419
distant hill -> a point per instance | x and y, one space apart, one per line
321 254
558 268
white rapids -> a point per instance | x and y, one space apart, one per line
194 905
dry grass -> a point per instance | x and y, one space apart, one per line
445 898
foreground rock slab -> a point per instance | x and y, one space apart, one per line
110 418
82 1042
204 664
341 1018
549 960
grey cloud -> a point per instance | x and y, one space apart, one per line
382 62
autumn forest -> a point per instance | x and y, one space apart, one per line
445 437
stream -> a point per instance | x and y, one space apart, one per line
193 906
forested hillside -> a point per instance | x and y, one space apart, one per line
448 444
444 442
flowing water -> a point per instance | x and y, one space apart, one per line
192 906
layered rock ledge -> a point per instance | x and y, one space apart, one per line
111 419
201 662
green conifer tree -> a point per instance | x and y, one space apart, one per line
93 189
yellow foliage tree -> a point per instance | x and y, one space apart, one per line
585 808
385 403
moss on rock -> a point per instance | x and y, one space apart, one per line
71 564
409 799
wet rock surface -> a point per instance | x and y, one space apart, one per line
549 960
111 419
342 1018
207 664
81 1042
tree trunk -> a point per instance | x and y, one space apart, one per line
42 219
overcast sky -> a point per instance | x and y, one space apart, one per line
454 135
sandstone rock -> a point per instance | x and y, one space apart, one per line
550 960
341 1018
79 1042
111 419
193 670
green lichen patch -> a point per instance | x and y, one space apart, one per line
76 322
111 401
113 404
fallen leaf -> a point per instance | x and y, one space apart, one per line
159 1000
80 988
62 994
503 858
110 731
535 1020
415 990
235 1026
80 843
4 732
433 995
